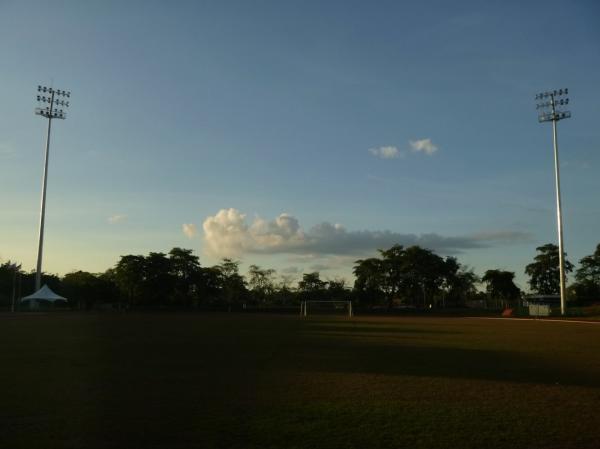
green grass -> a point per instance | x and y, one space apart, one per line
263 381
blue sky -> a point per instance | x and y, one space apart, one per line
230 114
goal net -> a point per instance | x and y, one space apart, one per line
343 308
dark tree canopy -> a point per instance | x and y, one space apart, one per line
311 287
400 276
500 284
587 287
84 289
233 284
413 275
544 272
589 268
261 283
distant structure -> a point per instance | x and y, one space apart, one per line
57 101
551 102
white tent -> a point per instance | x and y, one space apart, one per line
43 294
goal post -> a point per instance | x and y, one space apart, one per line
326 308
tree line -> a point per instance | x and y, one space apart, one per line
399 276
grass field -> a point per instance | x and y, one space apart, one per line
261 381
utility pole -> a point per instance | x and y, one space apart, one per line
551 102
56 102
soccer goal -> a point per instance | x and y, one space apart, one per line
326 308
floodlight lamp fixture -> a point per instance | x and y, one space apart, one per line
549 109
52 111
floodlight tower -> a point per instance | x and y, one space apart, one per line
549 111
57 101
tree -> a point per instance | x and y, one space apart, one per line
544 272
589 269
423 273
158 281
209 285
284 292
588 277
337 291
500 285
393 272
185 271
83 289
233 284
459 283
368 285
129 274
311 287
414 275
261 283
10 275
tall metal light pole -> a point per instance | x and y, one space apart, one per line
551 102
55 98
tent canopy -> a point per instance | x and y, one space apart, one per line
44 294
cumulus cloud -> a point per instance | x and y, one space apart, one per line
117 218
423 146
189 229
228 234
386 152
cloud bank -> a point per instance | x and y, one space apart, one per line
229 234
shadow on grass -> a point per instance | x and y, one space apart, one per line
346 352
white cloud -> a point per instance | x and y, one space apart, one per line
423 145
227 234
386 152
416 146
189 229
117 218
